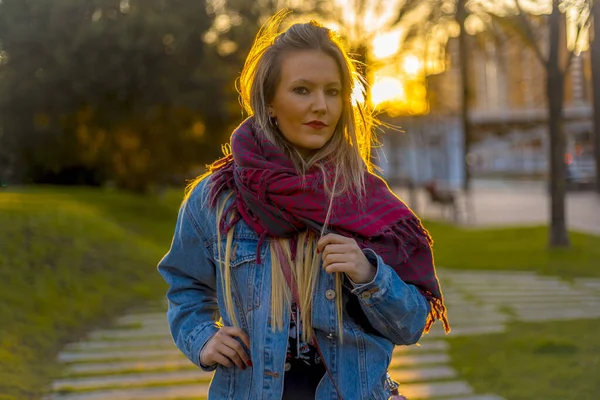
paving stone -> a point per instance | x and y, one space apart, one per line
510 282
536 317
466 330
533 294
138 318
127 366
421 359
130 334
500 301
170 353
139 354
100 345
470 306
412 390
435 389
423 347
423 374
540 307
459 319
476 397
132 380
447 273
153 393
588 283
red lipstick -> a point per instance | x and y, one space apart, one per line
316 124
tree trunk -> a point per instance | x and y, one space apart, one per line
463 48
595 47
555 88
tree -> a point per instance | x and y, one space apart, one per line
114 88
556 62
595 48
461 17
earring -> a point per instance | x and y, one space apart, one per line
274 121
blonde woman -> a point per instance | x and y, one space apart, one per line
294 271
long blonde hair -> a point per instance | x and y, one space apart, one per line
349 150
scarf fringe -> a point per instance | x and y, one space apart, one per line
411 230
407 231
438 312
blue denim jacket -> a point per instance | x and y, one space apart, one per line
377 315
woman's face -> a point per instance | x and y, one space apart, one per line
308 99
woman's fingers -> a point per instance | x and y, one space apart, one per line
335 249
232 354
223 348
237 332
334 258
223 360
339 267
330 239
237 347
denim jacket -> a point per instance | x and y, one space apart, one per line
377 315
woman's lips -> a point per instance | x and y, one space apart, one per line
316 125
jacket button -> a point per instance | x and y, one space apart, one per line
330 294
366 295
288 366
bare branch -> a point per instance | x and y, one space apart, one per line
408 6
527 31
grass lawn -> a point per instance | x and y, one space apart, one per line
550 360
530 361
516 249
70 259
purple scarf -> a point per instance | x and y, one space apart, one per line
276 202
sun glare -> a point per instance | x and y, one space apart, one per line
387 89
358 95
412 65
387 45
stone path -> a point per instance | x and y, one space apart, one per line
137 359
514 204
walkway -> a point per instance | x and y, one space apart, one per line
137 359
496 203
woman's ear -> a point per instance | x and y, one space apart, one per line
271 112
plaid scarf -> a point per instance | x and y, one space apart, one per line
275 201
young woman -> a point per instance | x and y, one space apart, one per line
294 271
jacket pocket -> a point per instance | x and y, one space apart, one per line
246 275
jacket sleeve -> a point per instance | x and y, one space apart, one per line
394 308
192 296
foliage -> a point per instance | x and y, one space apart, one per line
136 92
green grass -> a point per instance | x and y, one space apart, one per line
516 249
71 259
551 360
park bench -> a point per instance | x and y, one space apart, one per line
446 199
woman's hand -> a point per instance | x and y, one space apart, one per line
224 349
342 254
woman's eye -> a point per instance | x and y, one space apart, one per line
301 90
333 92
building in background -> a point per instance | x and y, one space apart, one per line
508 114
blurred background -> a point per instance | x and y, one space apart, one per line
490 132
